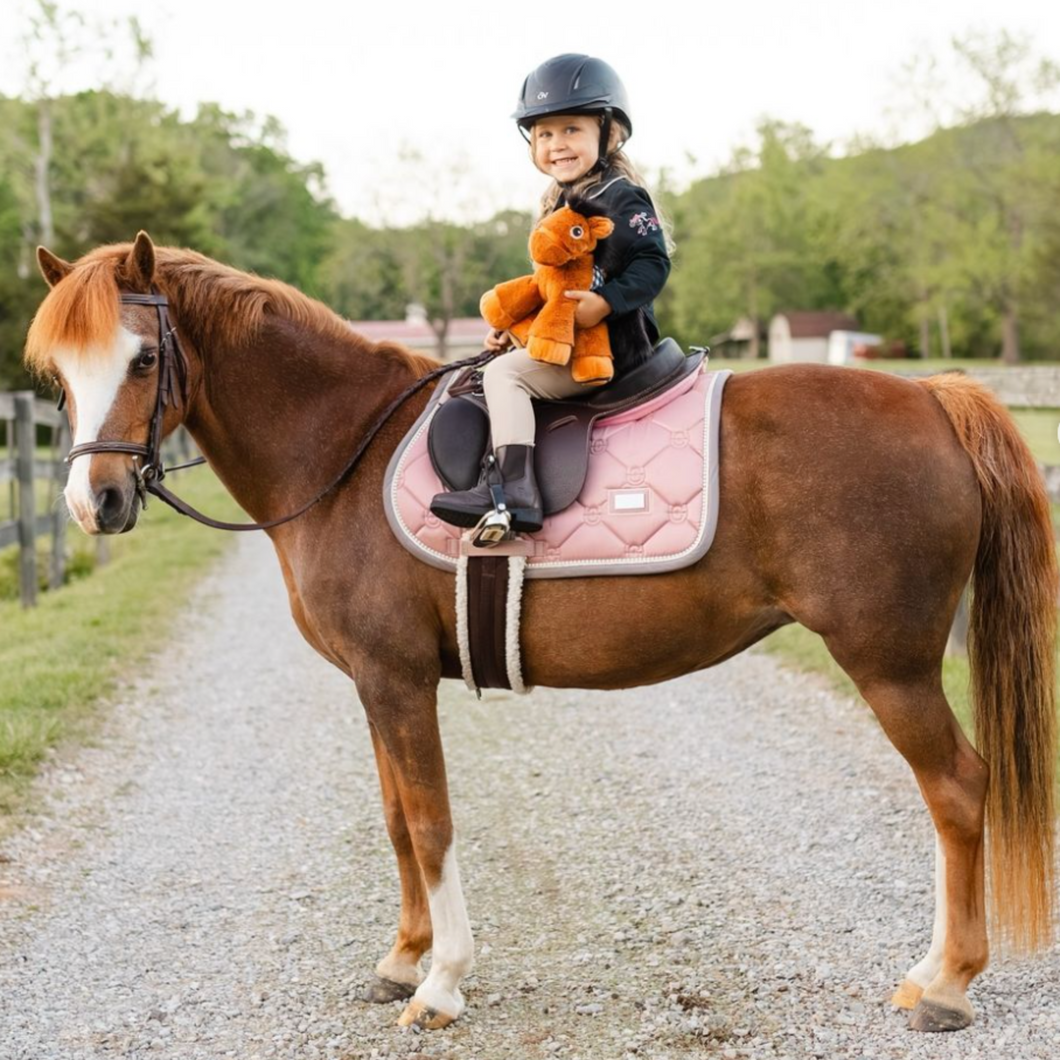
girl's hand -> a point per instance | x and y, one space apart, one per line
592 308
497 341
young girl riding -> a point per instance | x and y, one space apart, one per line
574 114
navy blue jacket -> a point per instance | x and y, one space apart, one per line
632 264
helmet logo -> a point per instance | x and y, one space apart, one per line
542 95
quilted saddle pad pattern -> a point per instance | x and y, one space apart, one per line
649 503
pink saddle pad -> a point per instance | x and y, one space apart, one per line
649 503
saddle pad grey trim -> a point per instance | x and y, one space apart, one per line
583 568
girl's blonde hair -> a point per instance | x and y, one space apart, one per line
618 163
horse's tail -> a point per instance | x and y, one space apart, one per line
1012 649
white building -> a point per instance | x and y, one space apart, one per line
803 336
845 346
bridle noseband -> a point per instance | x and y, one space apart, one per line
173 391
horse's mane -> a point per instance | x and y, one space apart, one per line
217 306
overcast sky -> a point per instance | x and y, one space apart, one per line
355 85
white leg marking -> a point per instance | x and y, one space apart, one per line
453 952
93 380
923 973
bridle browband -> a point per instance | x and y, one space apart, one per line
173 390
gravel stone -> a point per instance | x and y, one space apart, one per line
736 863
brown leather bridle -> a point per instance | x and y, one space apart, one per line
173 391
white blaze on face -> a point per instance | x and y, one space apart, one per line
93 380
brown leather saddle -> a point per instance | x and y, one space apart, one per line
460 430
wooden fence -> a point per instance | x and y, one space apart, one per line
23 418
22 415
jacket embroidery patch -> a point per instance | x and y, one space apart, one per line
644 223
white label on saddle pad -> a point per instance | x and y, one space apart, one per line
629 500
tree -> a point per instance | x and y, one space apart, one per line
751 238
1002 181
55 41
221 184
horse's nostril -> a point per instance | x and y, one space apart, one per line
110 499
111 507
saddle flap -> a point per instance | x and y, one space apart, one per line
457 440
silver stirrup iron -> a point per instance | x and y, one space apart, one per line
493 528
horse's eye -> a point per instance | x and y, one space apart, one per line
577 231
147 359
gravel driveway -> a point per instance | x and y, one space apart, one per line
696 869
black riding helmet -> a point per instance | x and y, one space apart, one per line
574 84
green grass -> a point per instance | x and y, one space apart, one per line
58 660
1039 428
80 554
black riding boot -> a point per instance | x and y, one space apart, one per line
513 470
520 486
467 507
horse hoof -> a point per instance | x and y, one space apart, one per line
907 995
381 991
932 1017
423 1016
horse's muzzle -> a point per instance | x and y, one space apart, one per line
117 509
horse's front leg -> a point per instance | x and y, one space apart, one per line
399 972
403 714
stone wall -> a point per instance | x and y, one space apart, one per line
1025 387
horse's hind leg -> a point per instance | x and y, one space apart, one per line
399 973
953 779
401 706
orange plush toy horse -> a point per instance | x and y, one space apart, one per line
535 308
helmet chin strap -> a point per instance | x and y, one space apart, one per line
605 138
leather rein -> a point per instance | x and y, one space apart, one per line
148 464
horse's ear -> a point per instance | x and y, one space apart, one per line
140 264
601 227
52 268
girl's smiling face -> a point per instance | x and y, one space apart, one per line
566 146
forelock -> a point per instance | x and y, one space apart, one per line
81 313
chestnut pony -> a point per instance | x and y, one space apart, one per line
854 502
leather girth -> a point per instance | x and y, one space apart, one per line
487 614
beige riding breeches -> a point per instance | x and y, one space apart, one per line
510 381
